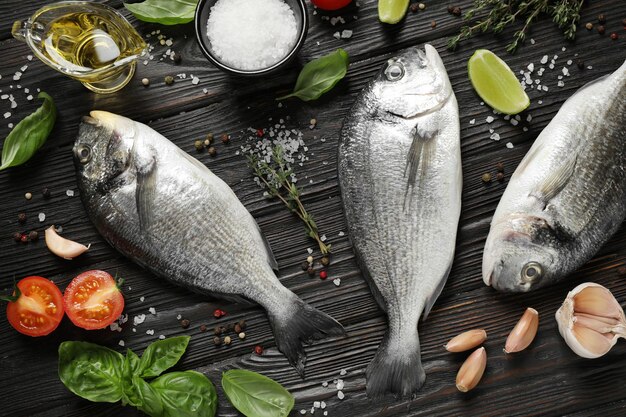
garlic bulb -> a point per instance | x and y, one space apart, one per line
591 320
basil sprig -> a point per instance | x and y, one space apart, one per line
320 75
99 374
29 134
256 395
165 12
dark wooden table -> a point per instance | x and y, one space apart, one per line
548 379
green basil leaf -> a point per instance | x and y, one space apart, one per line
320 75
91 371
256 395
162 355
129 368
165 12
186 394
147 399
29 134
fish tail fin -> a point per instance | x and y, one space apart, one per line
298 323
396 367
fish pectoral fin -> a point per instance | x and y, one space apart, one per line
420 153
268 249
430 302
555 181
145 192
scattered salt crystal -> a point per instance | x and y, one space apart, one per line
161 336
309 250
525 129
325 413
532 41
4 96
69 193
514 122
509 145
340 384
540 102
491 130
17 76
544 59
195 80
240 37
346 34
152 311
29 97
544 87
507 117
121 343
529 118
42 217
138 319
142 298
495 136
24 67
589 67
10 125
551 66
565 71
472 121
324 384
150 332
569 62
303 412
115 327
482 103
29 57
13 104
337 281
518 117
323 405
7 115
563 49
489 119
323 238
340 395
337 35
341 234
178 317
560 84
168 42
531 67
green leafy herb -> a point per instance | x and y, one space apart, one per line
16 294
320 75
165 12
162 355
29 134
256 395
276 178
186 394
99 374
91 371
565 13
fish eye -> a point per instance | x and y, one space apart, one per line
531 272
394 72
84 153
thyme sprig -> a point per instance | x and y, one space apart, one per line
565 13
276 177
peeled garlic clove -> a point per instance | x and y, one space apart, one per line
524 332
466 340
591 320
472 370
62 247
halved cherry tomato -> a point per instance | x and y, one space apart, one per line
330 4
93 301
38 310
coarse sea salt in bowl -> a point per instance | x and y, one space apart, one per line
251 37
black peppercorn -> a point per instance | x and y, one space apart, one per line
500 176
21 218
305 265
580 63
237 328
217 341
602 18
212 151
217 330
414 7
325 261
46 193
450 8
225 138
33 236
601 29
500 167
242 324
310 271
177 57
203 328
456 11
184 323
17 236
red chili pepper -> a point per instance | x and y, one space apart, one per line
259 132
258 350
323 275
218 313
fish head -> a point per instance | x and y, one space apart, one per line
520 254
412 83
102 150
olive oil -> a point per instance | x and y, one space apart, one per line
90 42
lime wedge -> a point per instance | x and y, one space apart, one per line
495 83
392 11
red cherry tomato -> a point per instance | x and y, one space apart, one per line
330 4
93 301
38 310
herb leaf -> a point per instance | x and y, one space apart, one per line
256 395
91 371
147 399
165 12
29 134
320 75
162 355
186 394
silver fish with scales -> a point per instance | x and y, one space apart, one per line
568 195
400 177
169 213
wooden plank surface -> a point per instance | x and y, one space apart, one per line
548 379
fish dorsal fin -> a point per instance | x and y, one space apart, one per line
420 154
556 180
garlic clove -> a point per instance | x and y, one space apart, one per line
466 340
591 320
62 247
524 332
472 370
598 301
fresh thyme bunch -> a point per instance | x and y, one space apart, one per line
276 179
502 13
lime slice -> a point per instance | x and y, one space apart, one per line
392 11
495 83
